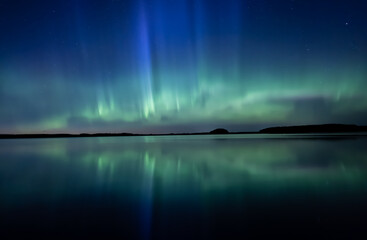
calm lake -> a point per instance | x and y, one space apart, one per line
185 187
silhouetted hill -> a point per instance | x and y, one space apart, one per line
325 128
219 131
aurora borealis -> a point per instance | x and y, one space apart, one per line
160 66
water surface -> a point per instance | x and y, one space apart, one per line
185 187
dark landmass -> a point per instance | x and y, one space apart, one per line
325 128
65 135
219 131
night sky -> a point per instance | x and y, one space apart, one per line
161 66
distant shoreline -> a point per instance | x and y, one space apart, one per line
82 135
308 129
324 128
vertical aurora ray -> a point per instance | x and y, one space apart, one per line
145 65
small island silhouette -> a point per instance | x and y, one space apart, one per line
324 128
219 131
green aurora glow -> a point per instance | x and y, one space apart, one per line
182 66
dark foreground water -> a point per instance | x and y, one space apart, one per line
184 187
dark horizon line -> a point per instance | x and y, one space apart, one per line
56 135
320 128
